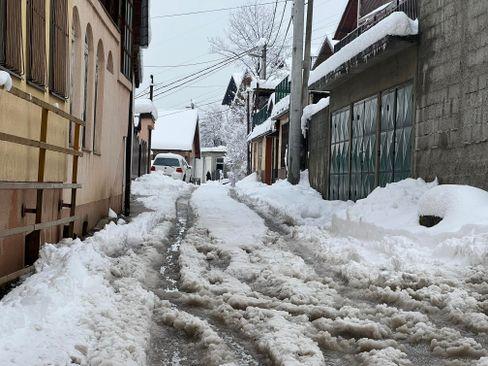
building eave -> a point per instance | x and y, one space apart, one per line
380 51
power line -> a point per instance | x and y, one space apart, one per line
216 10
183 65
197 75
209 71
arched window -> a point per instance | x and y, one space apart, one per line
87 84
75 69
98 100
110 63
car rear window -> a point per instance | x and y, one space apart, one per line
166 162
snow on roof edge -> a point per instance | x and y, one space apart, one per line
396 24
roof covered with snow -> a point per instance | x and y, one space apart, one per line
145 106
310 110
216 149
396 24
175 130
263 129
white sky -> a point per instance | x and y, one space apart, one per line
184 40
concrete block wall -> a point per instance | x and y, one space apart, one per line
452 92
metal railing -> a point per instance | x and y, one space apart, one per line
260 116
409 7
282 89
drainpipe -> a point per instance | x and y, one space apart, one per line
128 157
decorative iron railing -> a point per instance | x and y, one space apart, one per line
409 7
282 89
260 116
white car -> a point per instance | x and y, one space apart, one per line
172 165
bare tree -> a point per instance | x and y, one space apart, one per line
247 27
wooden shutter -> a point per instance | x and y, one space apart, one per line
59 48
36 45
11 39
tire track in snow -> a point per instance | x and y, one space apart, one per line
354 296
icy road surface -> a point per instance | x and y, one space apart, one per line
243 288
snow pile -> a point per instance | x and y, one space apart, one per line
296 204
146 106
77 307
5 80
310 110
393 208
458 206
264 128
396 24
281 107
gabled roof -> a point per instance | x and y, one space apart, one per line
349 20
326 50
175 130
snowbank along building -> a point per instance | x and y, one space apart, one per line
63 125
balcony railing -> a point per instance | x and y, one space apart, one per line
409 7
260 116
282 89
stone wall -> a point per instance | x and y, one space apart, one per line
319 151
452 92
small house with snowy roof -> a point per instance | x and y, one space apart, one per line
177 132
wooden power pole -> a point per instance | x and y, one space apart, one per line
295 133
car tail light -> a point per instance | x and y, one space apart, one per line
153 168
179 170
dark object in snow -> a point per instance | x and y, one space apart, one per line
429 221
209 176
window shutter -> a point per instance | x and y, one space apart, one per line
36 28
11 39
59 48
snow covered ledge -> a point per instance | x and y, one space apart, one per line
397 24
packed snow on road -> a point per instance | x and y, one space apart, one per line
262 275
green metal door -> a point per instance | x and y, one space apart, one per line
339 155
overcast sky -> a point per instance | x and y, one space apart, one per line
183 40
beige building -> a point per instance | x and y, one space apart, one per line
63 126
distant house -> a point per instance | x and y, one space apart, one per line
238 84
268 138
177 132
211 161
145 117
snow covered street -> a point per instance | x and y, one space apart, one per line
259 275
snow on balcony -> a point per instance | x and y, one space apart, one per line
396 24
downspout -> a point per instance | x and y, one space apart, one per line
128 157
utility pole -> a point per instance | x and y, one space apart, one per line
295 135
248 120
264 51
307 61
149 142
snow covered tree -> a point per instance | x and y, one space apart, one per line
235 136
212 121
249 25
223 125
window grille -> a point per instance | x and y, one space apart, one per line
11 36
59 48
36 42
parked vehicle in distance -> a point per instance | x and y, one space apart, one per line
172 165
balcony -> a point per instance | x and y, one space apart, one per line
409 7
260 116
282 89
